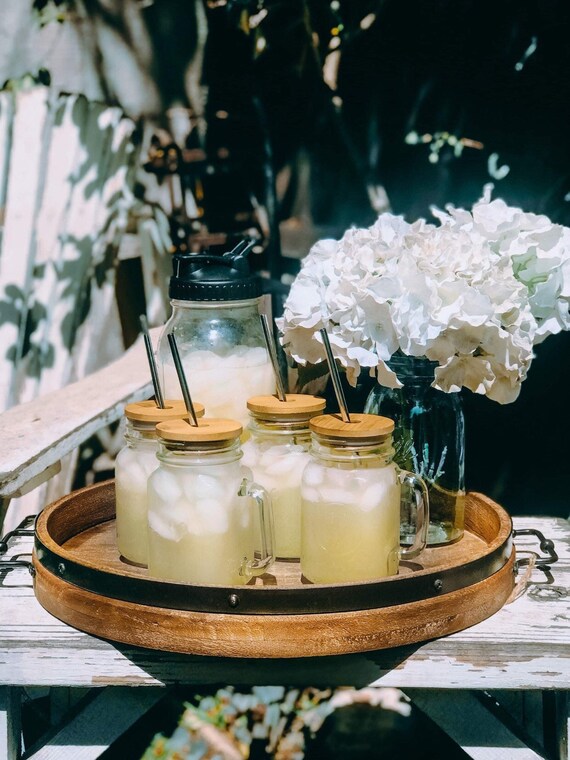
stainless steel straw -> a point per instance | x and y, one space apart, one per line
272 351
159 398
335 376
182 380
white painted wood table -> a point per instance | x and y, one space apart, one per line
521 654
524 648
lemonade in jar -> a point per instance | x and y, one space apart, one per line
201 507
277 453
133 466
351 494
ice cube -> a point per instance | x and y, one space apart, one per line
336 477
249 458
165 486
211 515
188 483
180 512
149 462
373 497
126 456
165 528
208 487
282 466
313 474
309 494
133 477
197 360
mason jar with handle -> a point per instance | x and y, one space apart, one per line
277 453
352 494
215 320
202 502
133 465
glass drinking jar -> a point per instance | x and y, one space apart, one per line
201 506
215 320
133 465
351 498
277 453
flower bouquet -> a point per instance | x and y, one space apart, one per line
461 301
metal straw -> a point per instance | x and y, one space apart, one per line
159 398
272 351
335 376
241 249
182 380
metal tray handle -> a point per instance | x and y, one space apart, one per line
546 546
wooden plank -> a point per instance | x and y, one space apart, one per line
6 118
479 733
64 154
524 646
41 432
67 283
16 259
99 338
103 719
80 217
10 723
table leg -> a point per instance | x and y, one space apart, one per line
555 718
10 723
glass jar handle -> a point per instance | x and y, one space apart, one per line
259 565
417 484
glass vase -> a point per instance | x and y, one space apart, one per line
429 439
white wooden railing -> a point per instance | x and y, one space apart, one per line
39 433
66 167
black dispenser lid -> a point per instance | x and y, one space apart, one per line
210 277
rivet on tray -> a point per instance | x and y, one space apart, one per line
233 600
61 568
438 584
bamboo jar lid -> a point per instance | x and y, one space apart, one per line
148 411
296 405
366 428
209 430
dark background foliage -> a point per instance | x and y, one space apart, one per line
496 74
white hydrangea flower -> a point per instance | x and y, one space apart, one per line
473 294
538 249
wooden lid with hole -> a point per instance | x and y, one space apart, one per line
368 428
295 404
148 411
209 429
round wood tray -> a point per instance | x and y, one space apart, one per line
81 579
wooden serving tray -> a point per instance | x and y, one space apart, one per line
80 578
